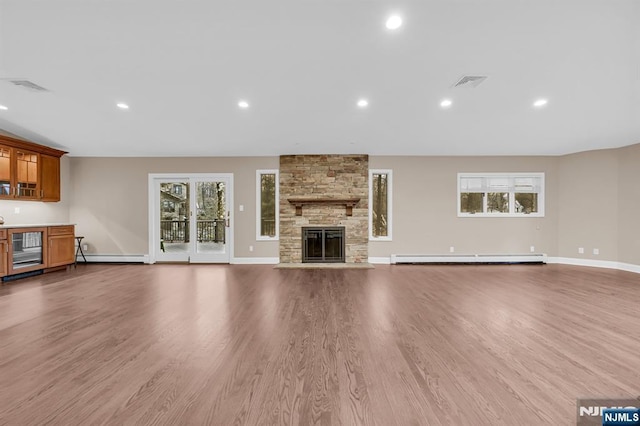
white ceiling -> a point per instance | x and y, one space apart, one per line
182 66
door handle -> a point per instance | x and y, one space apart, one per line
228 219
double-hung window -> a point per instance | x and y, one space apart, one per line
267 200
501 194
380 186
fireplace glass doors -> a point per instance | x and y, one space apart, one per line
323 244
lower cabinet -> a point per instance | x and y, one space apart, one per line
61 246
27 249
4 253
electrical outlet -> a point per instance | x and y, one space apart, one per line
250 248
451 249
241 207
596 251
532 249
85 247
581 250
16 210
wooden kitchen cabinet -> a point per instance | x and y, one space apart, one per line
49 178
4 253
25 249
29 171
61 245
6 181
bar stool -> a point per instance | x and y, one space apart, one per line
79 250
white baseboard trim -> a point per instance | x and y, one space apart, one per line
143 258
380 260
594 263
255 261
469 258
117 258
629 267
584 262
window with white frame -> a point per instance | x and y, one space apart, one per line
267 201
380 186
501 194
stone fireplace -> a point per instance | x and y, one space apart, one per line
324 191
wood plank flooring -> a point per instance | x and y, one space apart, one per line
253 345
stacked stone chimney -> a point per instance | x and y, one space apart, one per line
324 177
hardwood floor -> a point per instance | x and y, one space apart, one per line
405 345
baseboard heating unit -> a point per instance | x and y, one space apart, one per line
469 258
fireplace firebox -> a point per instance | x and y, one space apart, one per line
323 244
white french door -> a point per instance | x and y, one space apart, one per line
190 217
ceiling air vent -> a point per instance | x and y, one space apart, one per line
470 81
29 85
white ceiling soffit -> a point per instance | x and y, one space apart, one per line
183 67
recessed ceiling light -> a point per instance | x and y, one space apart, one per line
243 104
446 103
394 22
540 103
363 103
4 108
122 105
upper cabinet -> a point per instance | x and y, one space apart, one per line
29 171
49 177
6 183
27 182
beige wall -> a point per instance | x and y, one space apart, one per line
34 212
110 200
629 205
592 201
425 217
424 199
588 205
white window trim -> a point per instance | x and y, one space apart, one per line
389 174
259 173
541 198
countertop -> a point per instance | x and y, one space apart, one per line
33 225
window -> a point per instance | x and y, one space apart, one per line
168 206
501 194
267 203
380 184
